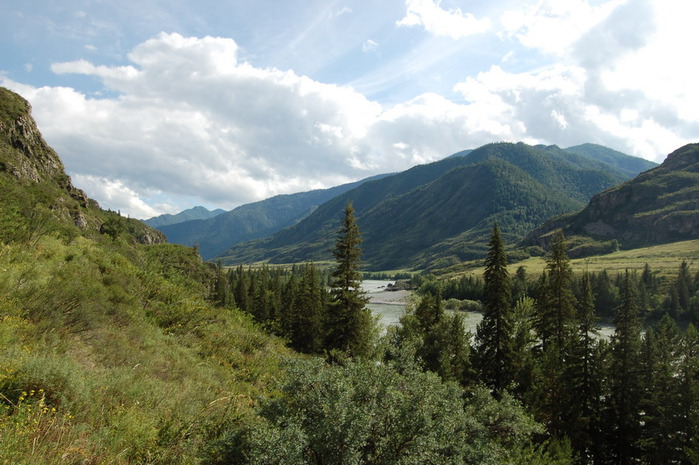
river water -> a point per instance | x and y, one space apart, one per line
389 306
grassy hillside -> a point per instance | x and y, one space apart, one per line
665 260
110 351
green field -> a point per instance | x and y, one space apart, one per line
663 259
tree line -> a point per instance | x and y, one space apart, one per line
633 398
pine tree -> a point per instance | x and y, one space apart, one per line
583 378
556 301
625 380
351 327
661 419
688 404
308 333
494 333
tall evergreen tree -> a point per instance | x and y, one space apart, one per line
351 327
661 419
555 326
556 302
583 378
308 330
688 404
625 380
494 333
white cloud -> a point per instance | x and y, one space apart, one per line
115 192
553 26
450 23
188 121
369 46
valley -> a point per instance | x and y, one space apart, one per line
119 347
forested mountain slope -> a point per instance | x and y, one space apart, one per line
194 213
443 210
250 221
658 206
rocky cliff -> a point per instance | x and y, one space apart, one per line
658 206
34 185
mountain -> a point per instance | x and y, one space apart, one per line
658 206
36 193
110 350
630 166
432 214
251 221
195 213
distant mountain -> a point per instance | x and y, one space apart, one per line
443 211
195 213
629 165
658 206
251 221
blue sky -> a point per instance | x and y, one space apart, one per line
157 106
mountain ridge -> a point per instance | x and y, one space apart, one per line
659 205
567 176
194 213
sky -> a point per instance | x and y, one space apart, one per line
158 106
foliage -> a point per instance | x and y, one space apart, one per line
495 332
364 413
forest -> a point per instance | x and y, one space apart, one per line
575 396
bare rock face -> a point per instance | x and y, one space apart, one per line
660 205
26 157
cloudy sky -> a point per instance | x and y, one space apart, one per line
157 106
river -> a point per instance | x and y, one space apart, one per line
389 306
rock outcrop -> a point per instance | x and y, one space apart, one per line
658 206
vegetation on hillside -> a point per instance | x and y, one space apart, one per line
659 206
434 214
118 348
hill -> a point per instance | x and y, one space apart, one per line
660 205
194 213
110 351
443 211
631 166
251 221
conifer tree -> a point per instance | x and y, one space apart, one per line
688 403
308 334
661 419
556 302
625 380
583 378
494 333
351 327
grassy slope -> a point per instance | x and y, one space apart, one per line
664 259
109 350
132 364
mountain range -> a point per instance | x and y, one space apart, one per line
251 221
439 213
191 214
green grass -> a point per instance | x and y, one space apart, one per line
109 353
663 259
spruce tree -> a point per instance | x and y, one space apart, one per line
556 302
351 327
625 380
583 378
309 323
494 332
